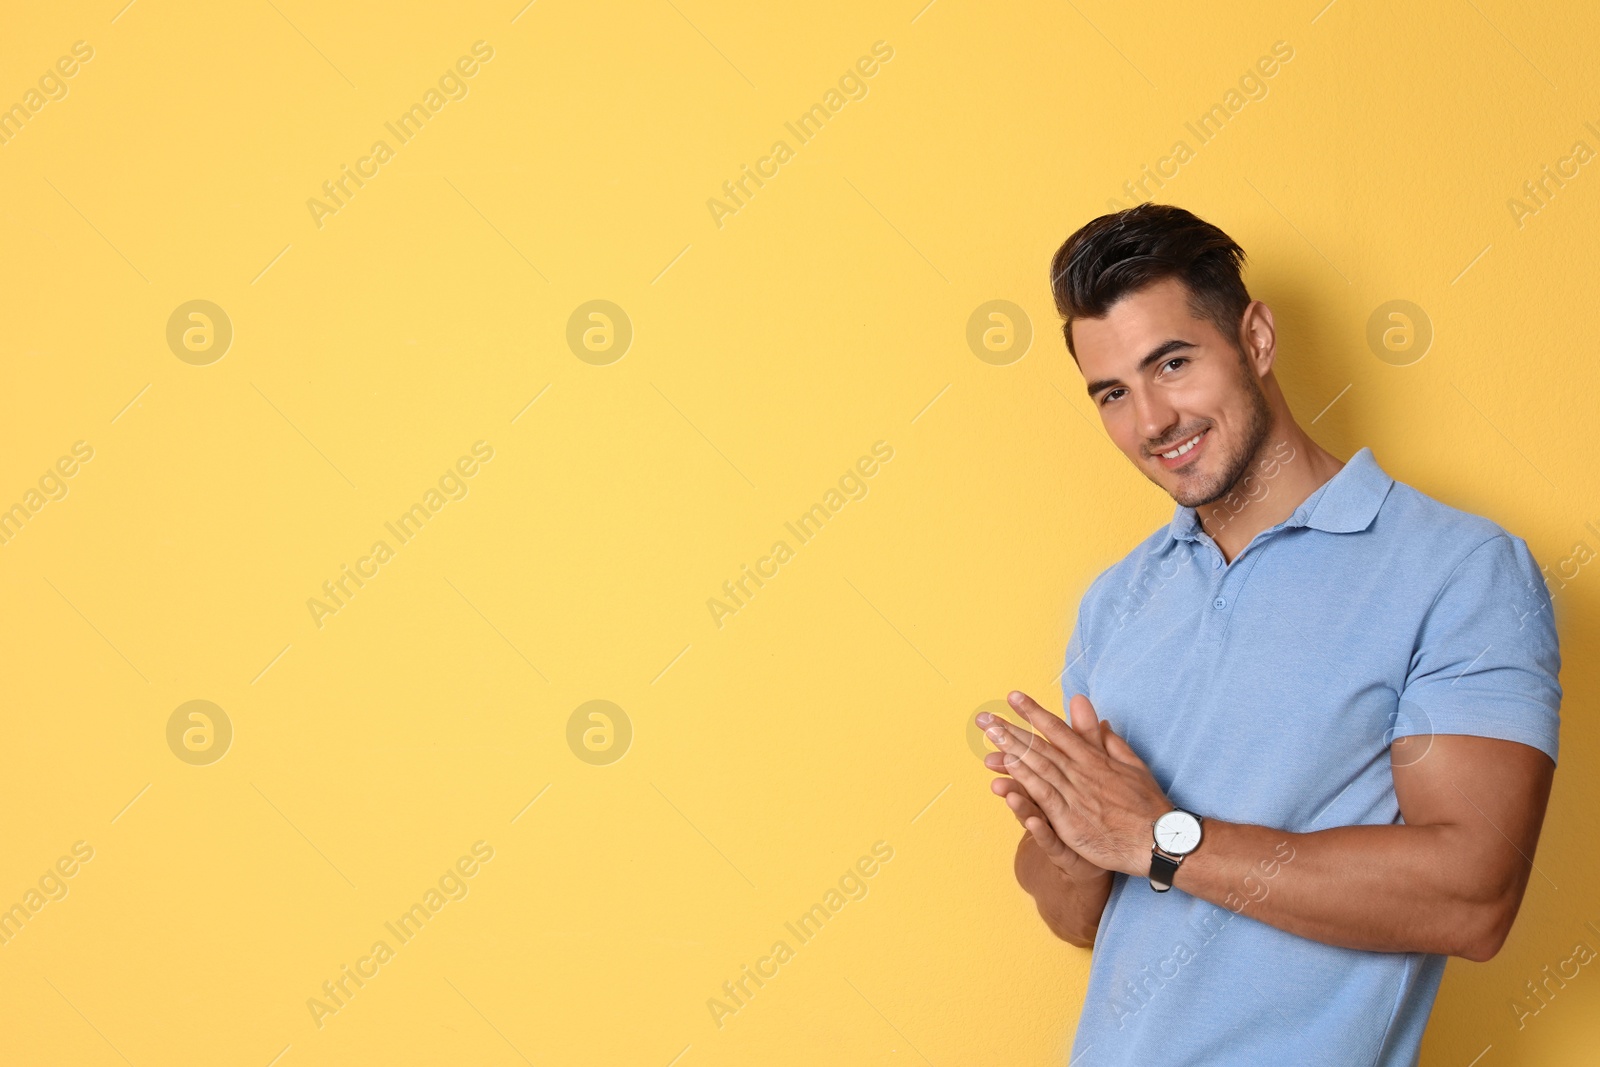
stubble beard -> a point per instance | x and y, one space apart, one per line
1238 464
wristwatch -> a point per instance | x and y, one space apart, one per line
1177 833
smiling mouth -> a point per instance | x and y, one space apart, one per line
1173 455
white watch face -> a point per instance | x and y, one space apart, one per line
1178 832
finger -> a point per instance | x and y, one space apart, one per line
1057 806
1020 803
1016 798
988 722
998 762
1040 827
1016 741
1085 721
1049 843
1017 745
1043 792
1120 750
1058 733
1032 819
1002 787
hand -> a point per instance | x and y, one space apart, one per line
1040 847
1091 793
1041 844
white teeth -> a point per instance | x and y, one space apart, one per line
1181 449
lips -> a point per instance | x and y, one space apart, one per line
1188 457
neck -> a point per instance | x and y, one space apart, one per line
1289 467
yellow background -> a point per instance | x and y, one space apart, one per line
768 354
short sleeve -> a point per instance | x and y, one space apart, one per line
1075 675
1487 658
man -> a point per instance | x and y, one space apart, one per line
1313 720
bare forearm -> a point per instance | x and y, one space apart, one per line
1389 888
1070 907
1449 879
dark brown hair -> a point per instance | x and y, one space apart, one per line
1122 252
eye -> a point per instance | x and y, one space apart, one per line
1176 359
1108 395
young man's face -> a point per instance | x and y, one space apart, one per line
1160 376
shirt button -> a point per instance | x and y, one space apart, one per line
1215 562
1219 603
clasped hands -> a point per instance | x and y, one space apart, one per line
1079 790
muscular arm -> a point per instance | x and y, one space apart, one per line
1449 880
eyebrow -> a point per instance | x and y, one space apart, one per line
1170 345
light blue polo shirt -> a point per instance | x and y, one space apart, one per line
1267 691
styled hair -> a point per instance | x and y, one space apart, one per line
1120 253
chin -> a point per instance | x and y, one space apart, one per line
1196 488
1196 500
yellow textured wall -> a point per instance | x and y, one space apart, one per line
375 339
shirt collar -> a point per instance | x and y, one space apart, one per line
1345 503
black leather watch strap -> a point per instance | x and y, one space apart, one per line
1162 870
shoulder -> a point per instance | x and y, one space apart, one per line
1152 560
1461 570
1440 535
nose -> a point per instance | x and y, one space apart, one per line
1156 418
